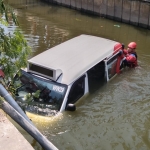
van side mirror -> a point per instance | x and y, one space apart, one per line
71 107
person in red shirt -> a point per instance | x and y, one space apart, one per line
130 54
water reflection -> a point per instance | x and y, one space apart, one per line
114 116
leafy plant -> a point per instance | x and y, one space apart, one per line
14 49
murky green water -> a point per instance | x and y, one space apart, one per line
114 116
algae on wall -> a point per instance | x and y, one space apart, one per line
132 12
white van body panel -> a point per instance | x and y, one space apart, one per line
86 84
68 91
69 64
74 57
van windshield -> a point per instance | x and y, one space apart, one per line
43 95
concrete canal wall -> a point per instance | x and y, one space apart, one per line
131 12
10 137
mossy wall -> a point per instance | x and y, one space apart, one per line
127 11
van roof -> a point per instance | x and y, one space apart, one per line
74 57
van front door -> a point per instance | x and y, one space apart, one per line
77 90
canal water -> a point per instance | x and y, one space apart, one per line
114 116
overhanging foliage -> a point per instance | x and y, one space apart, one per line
14 50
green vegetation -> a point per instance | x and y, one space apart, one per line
14 50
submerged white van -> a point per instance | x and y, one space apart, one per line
62 73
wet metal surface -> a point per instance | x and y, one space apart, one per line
114 116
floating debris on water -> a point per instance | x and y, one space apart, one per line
115 25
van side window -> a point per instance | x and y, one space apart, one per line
77 90
97 71
96 76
